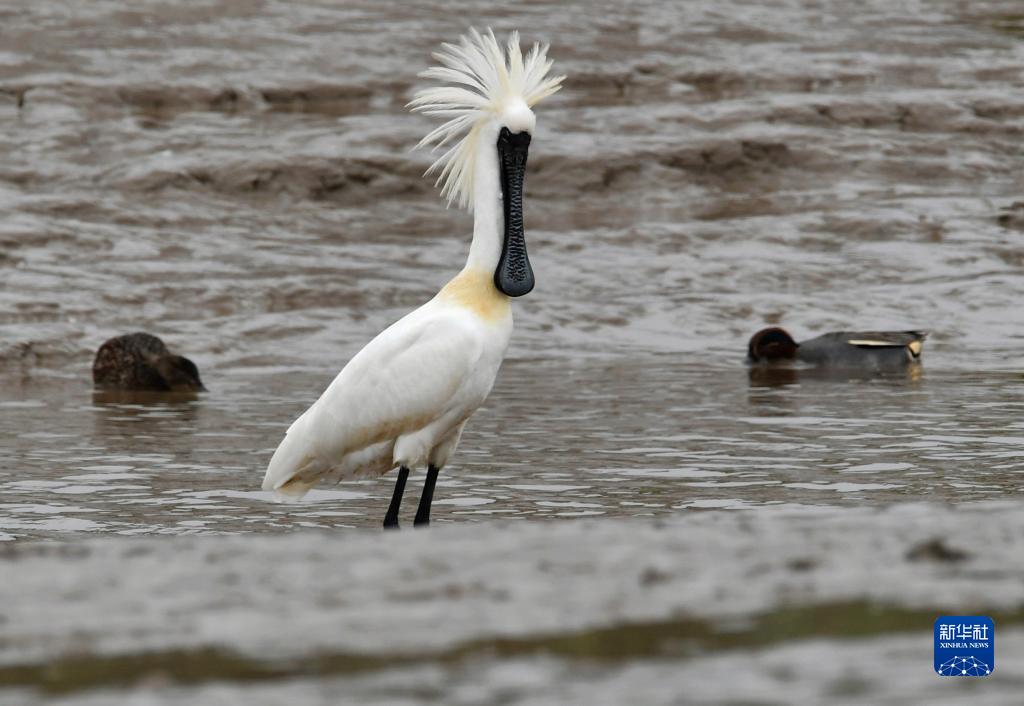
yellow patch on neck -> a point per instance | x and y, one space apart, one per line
474 289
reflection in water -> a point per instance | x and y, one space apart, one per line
772 376
781 375
133 421
651 436
142 397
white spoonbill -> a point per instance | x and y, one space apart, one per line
404 399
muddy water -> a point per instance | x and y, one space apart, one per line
656 436
237 178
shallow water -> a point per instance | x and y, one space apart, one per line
638 437
236 177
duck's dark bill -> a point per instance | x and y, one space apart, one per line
514 275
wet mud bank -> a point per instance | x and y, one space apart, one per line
613 596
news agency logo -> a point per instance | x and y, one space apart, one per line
965 646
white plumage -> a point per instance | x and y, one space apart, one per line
399 399
481 85
404 399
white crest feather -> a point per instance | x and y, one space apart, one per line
480 80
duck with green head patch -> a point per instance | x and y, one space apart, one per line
863 350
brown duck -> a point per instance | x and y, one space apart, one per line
139 361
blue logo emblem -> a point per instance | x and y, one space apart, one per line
965 646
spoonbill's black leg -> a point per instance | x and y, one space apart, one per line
391 519
423 511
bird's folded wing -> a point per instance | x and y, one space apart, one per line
405 378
